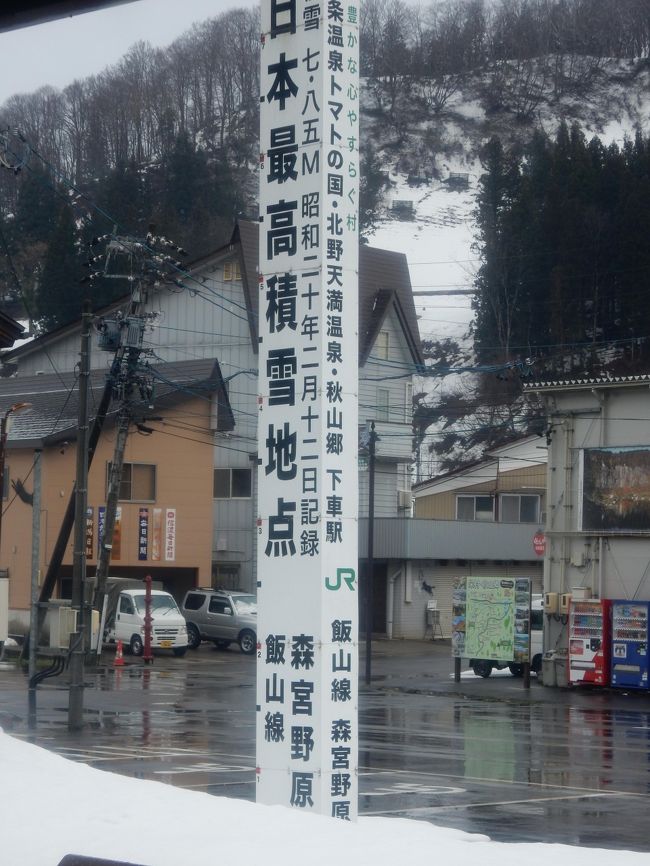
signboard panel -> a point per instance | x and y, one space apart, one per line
308 407
615 489
491 618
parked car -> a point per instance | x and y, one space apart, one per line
223 616
484 667
126 622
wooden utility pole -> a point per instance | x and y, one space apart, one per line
371 549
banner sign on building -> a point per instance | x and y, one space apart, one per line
143 533
157 535
101 524
491 618
116 551
307 729
90 532
170 534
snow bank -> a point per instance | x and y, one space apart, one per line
54 807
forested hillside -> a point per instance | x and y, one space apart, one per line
511 92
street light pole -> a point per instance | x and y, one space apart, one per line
371 549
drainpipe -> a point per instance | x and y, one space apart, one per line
390 601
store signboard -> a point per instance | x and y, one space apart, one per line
307 725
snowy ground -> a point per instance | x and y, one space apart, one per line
54 807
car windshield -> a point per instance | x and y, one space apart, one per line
245 603
161 604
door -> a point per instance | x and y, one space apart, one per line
127 621
221 619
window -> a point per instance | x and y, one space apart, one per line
519 508
382 344
474 508
233 483
383 404
225 575
194 601
231 271
408 402
220 605
126 605
138 482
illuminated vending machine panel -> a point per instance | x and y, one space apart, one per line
589 631
629 655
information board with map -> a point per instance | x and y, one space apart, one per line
491 618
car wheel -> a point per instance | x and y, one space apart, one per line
482 668
222 644
136 645
247 642
193 636
516 670
180 651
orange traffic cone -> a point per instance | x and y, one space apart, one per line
119 661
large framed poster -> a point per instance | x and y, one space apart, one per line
491 618
615 489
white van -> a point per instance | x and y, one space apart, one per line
484 667
168 627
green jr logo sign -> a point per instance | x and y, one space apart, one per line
345 576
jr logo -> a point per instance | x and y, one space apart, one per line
343 575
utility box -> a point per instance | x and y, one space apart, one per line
4 609
62 624
550 602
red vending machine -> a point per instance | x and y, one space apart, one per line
589 641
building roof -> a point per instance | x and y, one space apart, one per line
10 330
576 383
384 283
53 414
383 280
523 452
15 14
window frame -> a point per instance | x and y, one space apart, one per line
230 470
131 464
383 411
408 402
474 497
519 497
231 271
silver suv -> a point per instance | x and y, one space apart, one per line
222 616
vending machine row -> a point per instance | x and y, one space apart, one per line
608 643
629 658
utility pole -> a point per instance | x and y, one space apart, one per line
77 639
371 548
130 380
36 559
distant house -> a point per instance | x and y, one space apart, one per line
216 317
481 520
165 501
598 499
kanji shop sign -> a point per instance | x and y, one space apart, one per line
307 725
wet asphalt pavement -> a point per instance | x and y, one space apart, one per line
484 756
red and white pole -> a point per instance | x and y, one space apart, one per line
148 619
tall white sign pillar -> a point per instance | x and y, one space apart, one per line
307 717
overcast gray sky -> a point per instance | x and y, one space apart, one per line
60 51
